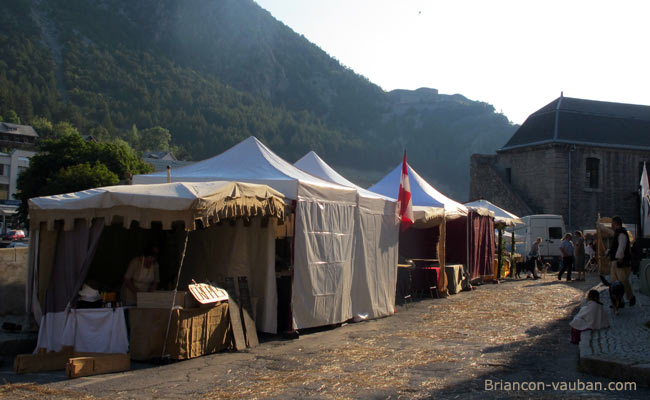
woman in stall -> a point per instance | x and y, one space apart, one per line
142 275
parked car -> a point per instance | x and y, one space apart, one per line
14 234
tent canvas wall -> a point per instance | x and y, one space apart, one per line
75 237
375 254
325 235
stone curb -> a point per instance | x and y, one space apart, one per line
616 369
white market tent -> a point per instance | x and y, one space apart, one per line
68 230
329 230
422 193
468 238
315 165
501 216
380 256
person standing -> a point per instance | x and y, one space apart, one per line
566 248
142 275
579 255
534 256
620 258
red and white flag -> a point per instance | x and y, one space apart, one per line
404 203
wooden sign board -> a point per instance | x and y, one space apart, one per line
205 293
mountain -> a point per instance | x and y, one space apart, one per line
213 72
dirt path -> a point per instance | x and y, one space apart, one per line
512 332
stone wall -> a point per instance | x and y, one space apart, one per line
617 192
540 177
487 182
13 270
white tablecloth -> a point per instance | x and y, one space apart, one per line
97 330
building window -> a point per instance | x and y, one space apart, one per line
4 170
509 175
4 192
591 177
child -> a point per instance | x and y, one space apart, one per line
591 316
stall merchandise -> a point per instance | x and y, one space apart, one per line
90 236
331 239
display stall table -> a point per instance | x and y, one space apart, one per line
193 332
96 330
425 280
454 278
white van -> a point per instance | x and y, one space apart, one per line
550 228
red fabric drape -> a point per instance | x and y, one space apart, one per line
482 250
481 245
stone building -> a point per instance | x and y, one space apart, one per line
17 146
572 157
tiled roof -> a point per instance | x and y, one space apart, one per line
578 121
15 129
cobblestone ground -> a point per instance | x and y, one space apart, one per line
457 347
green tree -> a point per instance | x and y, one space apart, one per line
132 137
63 129
81 177
154 139
69 163
12 117
43 127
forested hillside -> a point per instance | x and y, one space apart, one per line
213 72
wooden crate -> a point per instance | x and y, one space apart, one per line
101 364
53 361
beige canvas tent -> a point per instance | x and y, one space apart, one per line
229 228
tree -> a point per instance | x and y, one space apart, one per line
12 117
81 177
64 128
154 139
69 163
43 127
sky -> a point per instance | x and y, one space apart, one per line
516 55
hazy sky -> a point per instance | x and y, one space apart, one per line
516 55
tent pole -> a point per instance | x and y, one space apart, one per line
513 264
442 257
171 309
500 249
469 268
32 256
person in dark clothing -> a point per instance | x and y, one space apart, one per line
533 257
566 248
620 256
